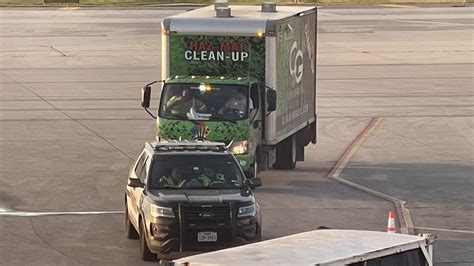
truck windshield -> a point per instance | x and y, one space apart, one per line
204 102
180 171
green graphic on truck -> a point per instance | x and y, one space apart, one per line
227 56
212 130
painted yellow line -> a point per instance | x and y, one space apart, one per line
354 146
405 218
403 214
397 6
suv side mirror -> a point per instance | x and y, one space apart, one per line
254 182
271 100
135 182
146 95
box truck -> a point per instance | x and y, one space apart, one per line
243 75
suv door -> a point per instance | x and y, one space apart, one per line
140 171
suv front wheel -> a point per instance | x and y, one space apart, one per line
145 252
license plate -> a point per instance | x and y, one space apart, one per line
207 236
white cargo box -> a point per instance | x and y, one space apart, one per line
325 247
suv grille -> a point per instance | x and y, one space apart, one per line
214 218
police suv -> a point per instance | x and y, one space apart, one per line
189 196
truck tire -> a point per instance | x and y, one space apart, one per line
145 252
286 154
130 231
252 171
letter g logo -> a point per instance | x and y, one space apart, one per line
296 62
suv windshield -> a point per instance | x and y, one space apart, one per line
204 102
175 171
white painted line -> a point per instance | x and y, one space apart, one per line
445 230
3 208
38 214
431 22
328 14
68 8
397 6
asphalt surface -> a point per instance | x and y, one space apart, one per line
70 124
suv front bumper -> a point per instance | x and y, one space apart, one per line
166 235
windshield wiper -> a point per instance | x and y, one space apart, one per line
193 115
221 117
173 116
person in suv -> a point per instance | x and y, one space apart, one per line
189 196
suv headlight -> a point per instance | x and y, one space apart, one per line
239 147
247 211
157 211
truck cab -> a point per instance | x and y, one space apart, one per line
222 109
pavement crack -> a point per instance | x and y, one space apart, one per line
18 236
56 50
428 145
70 117
49 245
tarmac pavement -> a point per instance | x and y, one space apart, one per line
71 122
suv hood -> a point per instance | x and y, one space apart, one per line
172 197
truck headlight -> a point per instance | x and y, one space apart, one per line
157 211
247 211
239 147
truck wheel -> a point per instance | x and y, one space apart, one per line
145 252
130 231
286 154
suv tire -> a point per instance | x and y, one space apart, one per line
145 252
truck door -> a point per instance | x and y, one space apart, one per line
255 116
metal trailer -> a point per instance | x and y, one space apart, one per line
326 247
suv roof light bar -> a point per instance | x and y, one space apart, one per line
186 145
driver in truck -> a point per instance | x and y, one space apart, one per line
236 105
181 103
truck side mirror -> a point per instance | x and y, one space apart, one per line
271 100
146 95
